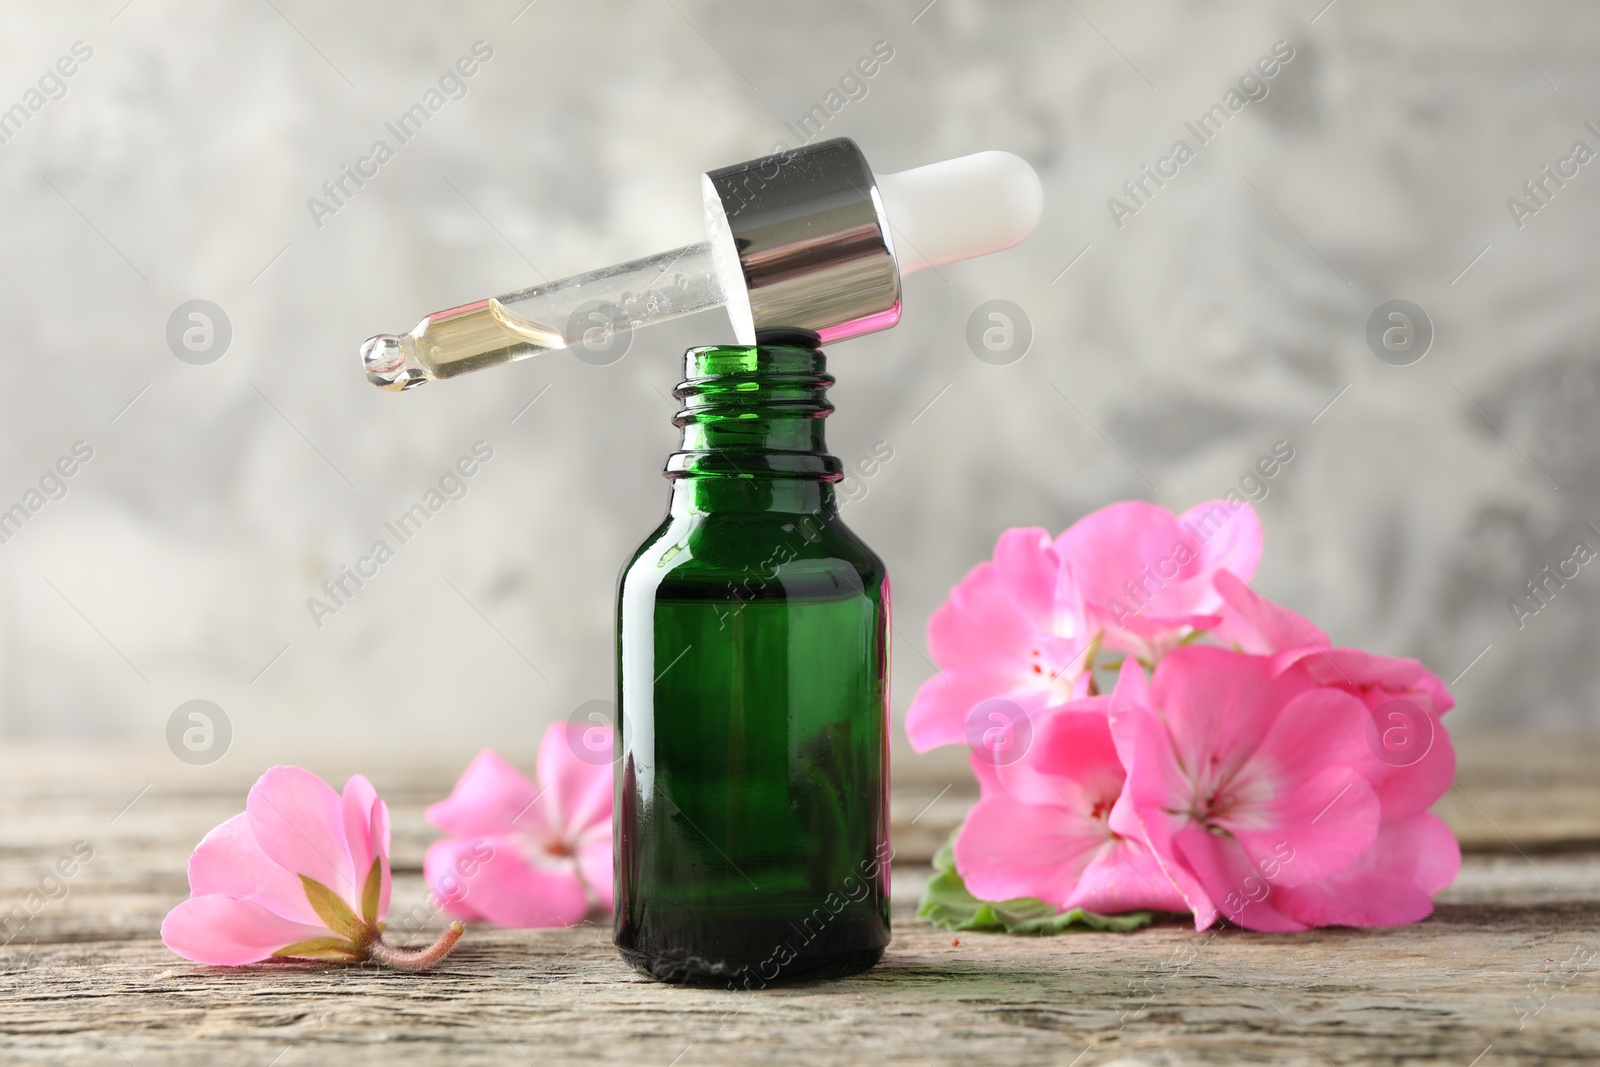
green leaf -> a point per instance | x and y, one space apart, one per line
948 903
320 948
332 910
369 894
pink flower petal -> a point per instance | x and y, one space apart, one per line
1218 705
1355 670
1322 822
1252 623
1013 628
1040 829
356 805
1373 677
1028 568
1056 845
577 793
1115 545
1155 632
298 820
226 932
1071 760
1313 773
452 869
380 840
981 626
1009 849
1391 884
1408 789
1132 689
520 850
1233 884
511 887
229 862
1125 877
1142 811
994 614
1407 783
1146 576
595 864
1432 686
1129 533
1422 850
489 796
1230 539
938 713
1358 899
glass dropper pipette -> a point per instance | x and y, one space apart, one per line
543 318
798 240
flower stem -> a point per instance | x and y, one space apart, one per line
414 959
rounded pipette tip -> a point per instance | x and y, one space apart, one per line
961 208
388 359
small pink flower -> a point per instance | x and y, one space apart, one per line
1244 781
526 855
1146 575
302 873
1042 826
1012 630
1417 762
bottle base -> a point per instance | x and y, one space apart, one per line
684 969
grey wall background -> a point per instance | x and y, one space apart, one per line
1226 315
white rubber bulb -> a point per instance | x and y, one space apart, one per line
960 208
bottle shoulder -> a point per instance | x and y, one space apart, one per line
783 554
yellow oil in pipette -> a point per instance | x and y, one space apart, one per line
514 326
462 339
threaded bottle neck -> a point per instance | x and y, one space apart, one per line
752 422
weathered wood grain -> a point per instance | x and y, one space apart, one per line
1508 970
1441 992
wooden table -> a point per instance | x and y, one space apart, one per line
1507 971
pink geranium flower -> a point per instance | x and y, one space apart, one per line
1244 781
1042 828
1146 575
527 855
1265 776
1417 762
302 873
1012 631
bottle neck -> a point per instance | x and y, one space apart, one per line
753 432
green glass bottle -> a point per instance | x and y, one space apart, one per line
752 695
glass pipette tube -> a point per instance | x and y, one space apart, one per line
545 318
798 240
